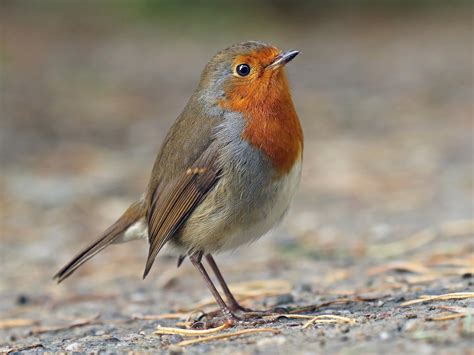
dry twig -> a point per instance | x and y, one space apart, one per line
446 317
190 332
176 315
76 324
457 309
459 312
21 348
14 323
444 297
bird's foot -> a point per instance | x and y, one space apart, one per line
231 321
243 317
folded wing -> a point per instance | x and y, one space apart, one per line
172 203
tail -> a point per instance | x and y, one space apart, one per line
133 214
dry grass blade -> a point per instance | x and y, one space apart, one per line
420 279
457 309
450 260
370 293
328 319
415 241
446 317
190 332
400 266
444 297
14 323
228 335
160 316
21 348
460 312
76 324
457 228
298 316
288 315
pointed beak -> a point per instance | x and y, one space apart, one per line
282 59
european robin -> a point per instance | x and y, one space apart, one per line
226 171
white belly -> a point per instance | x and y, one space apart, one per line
273 213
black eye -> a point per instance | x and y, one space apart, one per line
243 69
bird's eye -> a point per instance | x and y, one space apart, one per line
243 69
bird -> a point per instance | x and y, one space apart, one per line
226 172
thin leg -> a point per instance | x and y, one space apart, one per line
196 260
232 302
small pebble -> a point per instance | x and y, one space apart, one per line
74 347
22 300
344 329
380 303
175 338
384 336
175 349
410 325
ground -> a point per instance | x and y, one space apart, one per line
383 216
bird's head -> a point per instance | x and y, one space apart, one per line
246 75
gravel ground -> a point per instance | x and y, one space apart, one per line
384 214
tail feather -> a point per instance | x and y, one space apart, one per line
134 213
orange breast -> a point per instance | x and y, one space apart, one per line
272 124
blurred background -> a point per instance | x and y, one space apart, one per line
384 91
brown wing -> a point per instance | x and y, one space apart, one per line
172 204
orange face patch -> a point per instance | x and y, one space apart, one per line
264 99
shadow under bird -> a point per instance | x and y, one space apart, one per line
226 171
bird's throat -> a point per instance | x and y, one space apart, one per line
272 124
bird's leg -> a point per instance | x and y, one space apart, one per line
228 313
231 301
196 261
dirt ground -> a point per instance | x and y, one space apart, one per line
383 217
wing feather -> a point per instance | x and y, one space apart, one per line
172 204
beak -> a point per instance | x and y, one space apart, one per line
282 59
